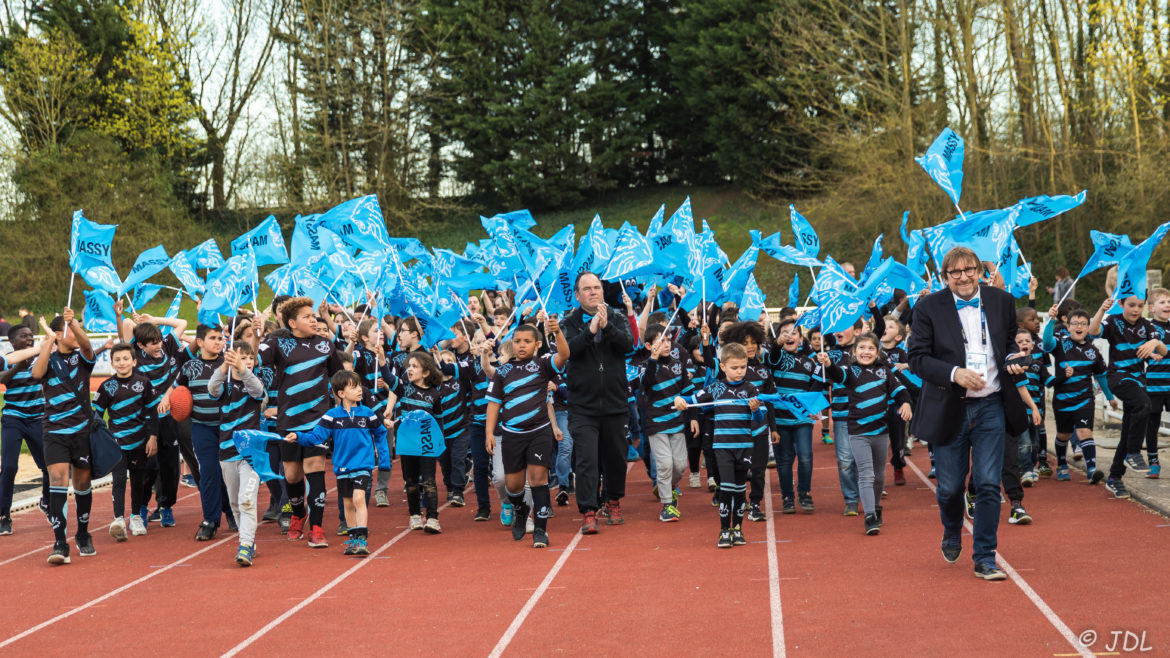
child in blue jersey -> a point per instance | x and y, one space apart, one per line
1132 340
1157 378
664 379
359 446
195 374
518 410
1034 464
418 390
241 396
794 371
1076 363
894 350
869 386
24 407
736 410
455 394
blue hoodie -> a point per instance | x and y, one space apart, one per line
355 435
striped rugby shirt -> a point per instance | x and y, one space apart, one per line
1072 393
665 379
195 374
1158 372
733 421
23 398
794 372
303 368
133 415
162 370
64 414
869 390
1124 340
239 410
521 390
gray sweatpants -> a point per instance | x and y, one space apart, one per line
670 462
243 488
869 453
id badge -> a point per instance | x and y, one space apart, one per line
977 361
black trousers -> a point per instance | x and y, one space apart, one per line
1135 409
1158 403
599 441
897 429
168 460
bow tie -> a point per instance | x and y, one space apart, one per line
970 303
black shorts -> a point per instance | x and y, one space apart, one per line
732 464
72 449
295 452
347 485
536 448
1069 421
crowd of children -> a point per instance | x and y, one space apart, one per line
326 384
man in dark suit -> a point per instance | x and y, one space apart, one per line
959 344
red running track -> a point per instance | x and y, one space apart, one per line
1088 563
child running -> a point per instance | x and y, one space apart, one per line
241 401
517 405
1157 378
869 387
359 446
1076 362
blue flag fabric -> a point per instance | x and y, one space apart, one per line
206 256
1108 250
1039 208
184 270
875 256
752 302
801 405
143 294
594 252
359 223
519 219
564 239
1131 270
631 251
656 221
806 237
231 286
794 291
282 281
943 162
172 312
253 446
418 434
150 262
831 280
265 240
90 253
810 319
99 312
742 269
556 284
784 253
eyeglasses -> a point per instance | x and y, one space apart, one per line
1082 323
969 271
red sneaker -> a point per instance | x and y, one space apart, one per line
317 537
899 477
615 513
296 528
589 523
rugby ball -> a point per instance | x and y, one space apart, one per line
181 403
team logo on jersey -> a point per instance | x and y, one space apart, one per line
1141 332
505 369
110 387
532 366
323 347
856 370
193 369
361 422
675 368
72 360
674 353
286 345
1091 354
137 387
717 389
881 373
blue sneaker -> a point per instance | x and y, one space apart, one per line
361 546
1062 474
166 518
144 512
506 514
1155 471
188 480
244 555
349 546
931 474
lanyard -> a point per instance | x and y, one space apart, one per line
982 328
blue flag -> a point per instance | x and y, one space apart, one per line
810 319
784 253
143 294
943 162
231 286
743 268
631 251
206 256
802 404
794 291
184 270
282 281
1131 270
172 312
594 252
253 446
266 241
752 302
556 284
90 247
99 312
831 280
875 256
656 221
1039 208
806 237
563 240
359 223
150 262
1108 249
418 434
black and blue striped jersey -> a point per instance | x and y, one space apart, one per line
1073 393
839 356
195 374
365 364
476 384
869 390
1124 340
1038 377
23 398
521 390
64 413
163 369
129 404
733 419
794 372
303 368
413 398
453 400
240 409
1158 370
663 380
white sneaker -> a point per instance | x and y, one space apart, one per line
416 522
118 529
137 527
710 484
695 481
529 526
909 447
380 499
432 526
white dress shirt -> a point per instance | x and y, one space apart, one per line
971 318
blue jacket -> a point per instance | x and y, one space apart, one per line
355 435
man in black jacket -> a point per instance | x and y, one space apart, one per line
959 344
599 339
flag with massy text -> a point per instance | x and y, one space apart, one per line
265 240
943 162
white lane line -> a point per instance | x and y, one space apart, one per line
114 592
773 576
1036 599
316 595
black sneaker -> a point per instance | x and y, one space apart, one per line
272 513
872 526
725 540
1019 516
756 514
539 538
457 499
342 529
155 516
951 550
231 522
1136 463
850 509
483 514
206 531
284 520
737 538
1117 488
877 510
988 571
806 503
60 553
562 497
519 519
85 545
969 505
5 526
788 506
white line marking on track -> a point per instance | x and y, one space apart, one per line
773 575
1039 602
180 562
318 594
